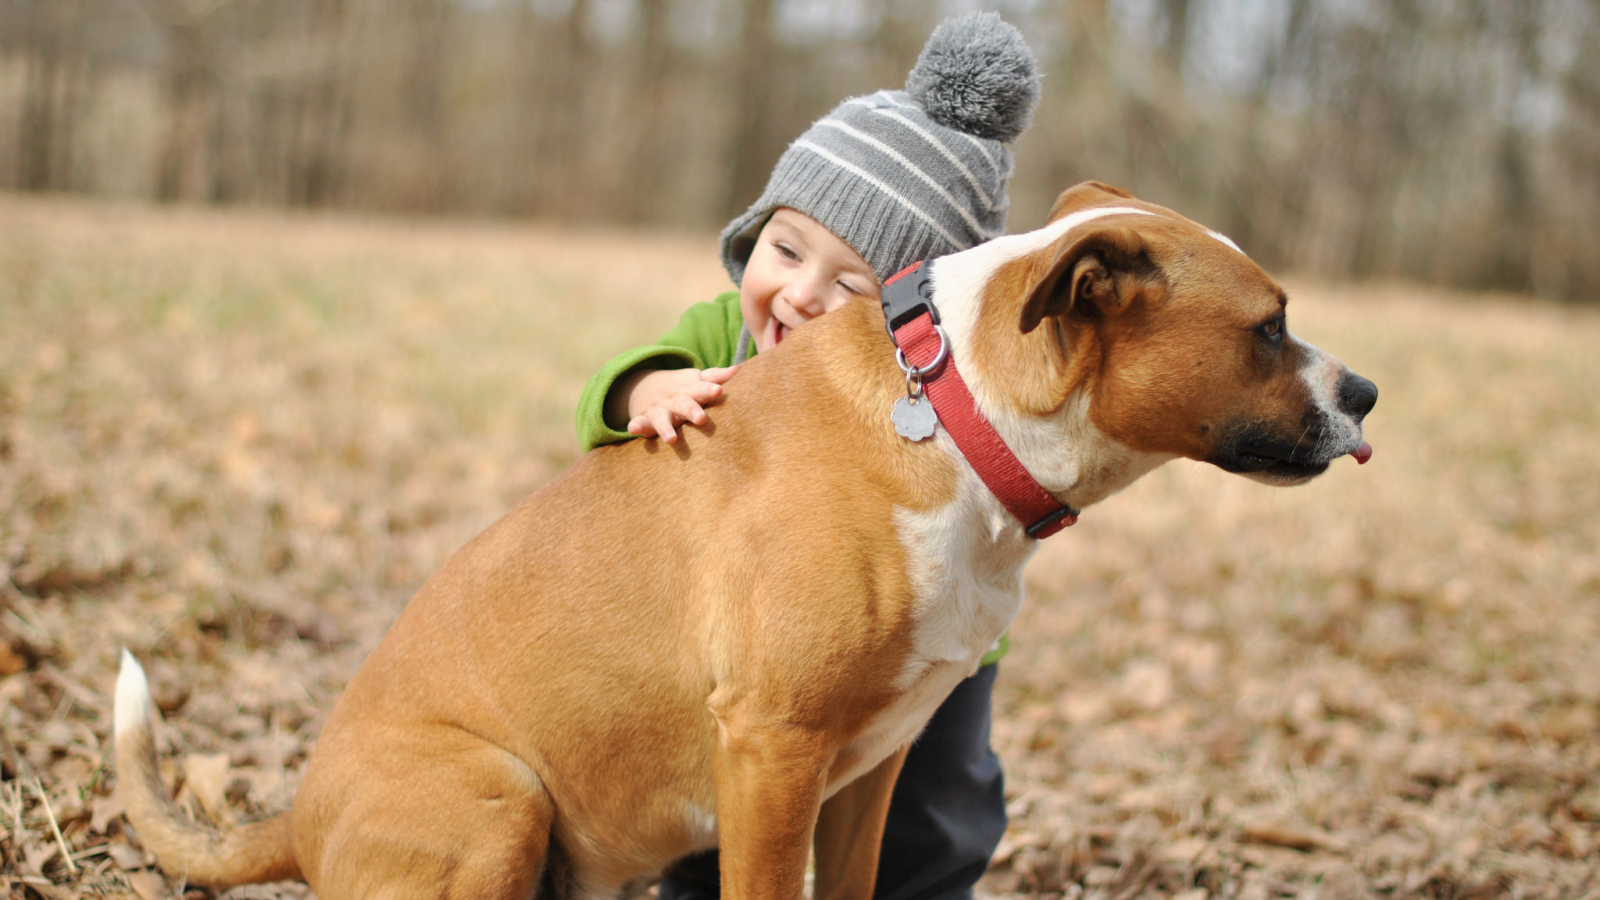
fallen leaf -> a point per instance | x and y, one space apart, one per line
53 892
1009 846
11 662
103 810
1343 882
205 777
1184 850
32 858
148 885
127 858
1277 835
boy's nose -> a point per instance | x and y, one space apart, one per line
806 298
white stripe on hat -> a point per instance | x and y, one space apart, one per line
983 147
980 143
898 157
939 145
888 191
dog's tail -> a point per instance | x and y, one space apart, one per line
202 854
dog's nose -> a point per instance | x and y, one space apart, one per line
1357 395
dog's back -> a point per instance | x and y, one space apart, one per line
628 586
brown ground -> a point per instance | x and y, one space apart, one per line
235 443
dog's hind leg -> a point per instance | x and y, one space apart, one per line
435 813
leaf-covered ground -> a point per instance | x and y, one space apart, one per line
236 443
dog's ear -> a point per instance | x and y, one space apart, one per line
1086 195
1094 274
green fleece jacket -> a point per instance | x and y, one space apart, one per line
705 337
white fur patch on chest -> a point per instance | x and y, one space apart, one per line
965 561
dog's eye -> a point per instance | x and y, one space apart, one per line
1272 330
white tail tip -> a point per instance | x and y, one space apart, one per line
133 706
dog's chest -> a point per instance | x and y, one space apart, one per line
965 564
964 561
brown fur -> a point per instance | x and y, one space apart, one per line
667 632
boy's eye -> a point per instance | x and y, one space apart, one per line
785 250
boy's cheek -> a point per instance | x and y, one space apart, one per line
756 314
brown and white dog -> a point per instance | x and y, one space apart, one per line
730 641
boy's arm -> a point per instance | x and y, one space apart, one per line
705 336
592 428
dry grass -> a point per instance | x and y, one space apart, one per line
236 443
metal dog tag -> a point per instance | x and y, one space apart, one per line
913 419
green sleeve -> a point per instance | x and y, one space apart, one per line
703 338
1001 648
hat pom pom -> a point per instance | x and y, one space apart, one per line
977 75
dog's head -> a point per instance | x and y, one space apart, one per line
1129 335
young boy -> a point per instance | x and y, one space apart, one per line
880 182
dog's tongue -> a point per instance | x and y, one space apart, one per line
1362 453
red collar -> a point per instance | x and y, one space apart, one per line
913 323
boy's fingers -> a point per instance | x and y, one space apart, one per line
718 375
704 392
685 408
661 418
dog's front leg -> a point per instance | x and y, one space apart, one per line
769 778
850 833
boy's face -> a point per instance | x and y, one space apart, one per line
798 271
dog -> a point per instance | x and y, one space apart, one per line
731 641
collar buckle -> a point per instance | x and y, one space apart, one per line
1053 523
906 295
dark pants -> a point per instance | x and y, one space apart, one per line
947 815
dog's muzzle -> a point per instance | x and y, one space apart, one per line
1269 452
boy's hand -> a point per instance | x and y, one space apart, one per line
658 400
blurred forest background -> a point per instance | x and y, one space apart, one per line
1447 141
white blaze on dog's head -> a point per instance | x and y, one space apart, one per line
1223 238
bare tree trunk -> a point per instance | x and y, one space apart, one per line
53 63
186 170
1573 267
316 167
752 95
1512 263
652 78
562 72
429 36
1175 43
526 101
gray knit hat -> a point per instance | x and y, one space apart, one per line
907 175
